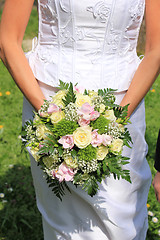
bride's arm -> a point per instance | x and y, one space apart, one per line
14 20
149 68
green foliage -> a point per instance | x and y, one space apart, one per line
63 85
57 187
70 95
114 165
91 186
121 112
64 127
101 124
87 153
108 96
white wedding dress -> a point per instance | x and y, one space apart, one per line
92 42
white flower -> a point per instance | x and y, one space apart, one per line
109 114
117 145
2 195
82 136
159 232
4 201
10 189
154 219
11 166
150 213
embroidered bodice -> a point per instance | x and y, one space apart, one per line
92 42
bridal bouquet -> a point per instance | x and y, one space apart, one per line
78 137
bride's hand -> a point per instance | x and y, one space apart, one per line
156 185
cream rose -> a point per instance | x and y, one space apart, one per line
57 116
34 153
70 162
102 151
117 145
82 136
81 99
102 108
57 98
109 114
41 130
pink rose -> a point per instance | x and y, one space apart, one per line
64 173
79 89
83 122
87 112
96 138
40 145
67 141
52 108
94 115
106 139
86 109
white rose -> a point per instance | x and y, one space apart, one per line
40 131
102 151
57 98
57 116
117 145
34 152
81 99
70 162
109 114
82 136
102 108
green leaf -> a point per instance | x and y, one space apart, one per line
91 186
70 96
63 85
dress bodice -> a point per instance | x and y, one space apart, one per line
92 42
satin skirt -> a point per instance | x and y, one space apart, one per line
118 211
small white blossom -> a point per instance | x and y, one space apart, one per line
11 166
4 201
150 213
154 219
2 195
159 232
10 189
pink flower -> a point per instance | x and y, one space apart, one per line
83 122
40 145
67 141
52 108
87 112
79 89
94 115
85 109
106 139
64 173
96 138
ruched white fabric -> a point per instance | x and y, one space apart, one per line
89 42
92 43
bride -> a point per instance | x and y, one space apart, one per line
92 42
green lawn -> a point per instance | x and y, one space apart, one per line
19 217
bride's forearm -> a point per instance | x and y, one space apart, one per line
143 79
17 64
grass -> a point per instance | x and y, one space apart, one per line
19 217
